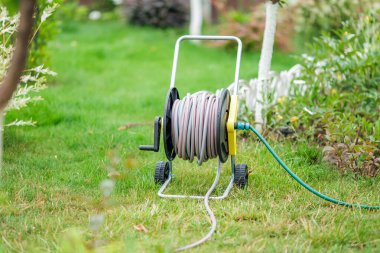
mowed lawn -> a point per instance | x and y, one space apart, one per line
110 75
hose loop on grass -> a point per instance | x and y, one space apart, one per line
194 134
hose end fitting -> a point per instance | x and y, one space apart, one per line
242 126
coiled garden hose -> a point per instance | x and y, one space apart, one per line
194 126
246 126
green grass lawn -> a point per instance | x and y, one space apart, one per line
111 75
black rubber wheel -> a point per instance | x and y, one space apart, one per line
241 175
161 173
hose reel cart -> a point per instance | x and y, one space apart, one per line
225 138
203 125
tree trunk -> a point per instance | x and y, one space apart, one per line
1 138
207 11
195 17
214 12
265 62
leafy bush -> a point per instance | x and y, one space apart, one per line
72 11
33 79
158 13
249 27
12 5
336 99
104 5
318 16
43 33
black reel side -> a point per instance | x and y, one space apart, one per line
172 96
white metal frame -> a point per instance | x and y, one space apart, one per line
208 37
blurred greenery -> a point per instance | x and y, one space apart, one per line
12 5
340 86
111 75
316 17
44 32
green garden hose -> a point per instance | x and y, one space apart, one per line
246 126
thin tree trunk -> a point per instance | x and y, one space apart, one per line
207 11
195 17
13 75
214 12
265 61
1 139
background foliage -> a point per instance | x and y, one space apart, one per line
158 13
49 191
326 16
336 99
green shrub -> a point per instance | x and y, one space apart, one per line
318 16
72 11
336 100
103 5
157 13
43 32
34 78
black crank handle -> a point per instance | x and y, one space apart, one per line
157 131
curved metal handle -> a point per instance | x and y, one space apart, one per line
208 37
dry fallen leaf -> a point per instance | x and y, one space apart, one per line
130 162
153 210
130 125
115 174
140 228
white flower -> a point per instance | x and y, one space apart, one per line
106 186
95 15
321 64
40 69
48 11
22 123
308 111
95 221
299 82
307 57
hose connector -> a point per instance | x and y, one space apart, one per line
242 126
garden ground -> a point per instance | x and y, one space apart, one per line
111 75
